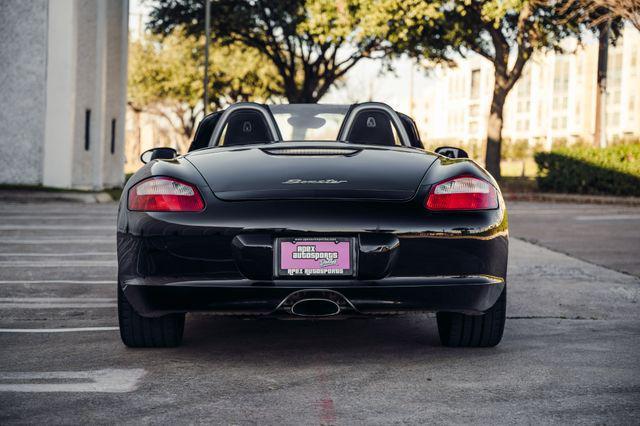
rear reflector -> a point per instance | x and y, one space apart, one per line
163 194
462 193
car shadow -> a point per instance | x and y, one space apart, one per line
212 339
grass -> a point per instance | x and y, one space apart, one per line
518 184
513 168
114 193
44 188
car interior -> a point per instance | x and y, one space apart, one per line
412 130
204 131
245 127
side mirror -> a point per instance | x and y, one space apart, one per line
158 153
451 152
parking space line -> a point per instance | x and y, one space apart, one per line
7 306
107 380
91 282
56 264
608 217
55 227
105 217
57 240
56 302
103 253
56 330
55 299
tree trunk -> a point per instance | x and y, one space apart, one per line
600 133
494 132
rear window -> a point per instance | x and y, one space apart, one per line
309 122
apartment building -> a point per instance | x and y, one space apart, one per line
554 100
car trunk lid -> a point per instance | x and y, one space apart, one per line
301 171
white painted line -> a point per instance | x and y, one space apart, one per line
109 380
608 217
103 253
56 302
56 299
56 227
57 240
92 282
6 306
56 216
56 330
56 264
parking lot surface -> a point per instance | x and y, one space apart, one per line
607 235
569 354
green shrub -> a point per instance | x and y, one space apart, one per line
613 171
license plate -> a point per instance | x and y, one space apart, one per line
315 257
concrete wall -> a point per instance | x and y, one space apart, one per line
58 159
23 55
116 92
87 87
63 83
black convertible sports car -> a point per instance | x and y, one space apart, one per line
311 211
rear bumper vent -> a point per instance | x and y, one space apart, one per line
311 151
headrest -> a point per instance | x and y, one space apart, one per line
372 128
246 127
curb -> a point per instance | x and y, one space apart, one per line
571 198
31 196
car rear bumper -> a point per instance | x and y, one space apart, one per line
470 294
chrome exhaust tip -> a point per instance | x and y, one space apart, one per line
315 303
315 307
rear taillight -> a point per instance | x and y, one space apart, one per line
462 193
163 194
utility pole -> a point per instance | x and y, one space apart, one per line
207 38
600 134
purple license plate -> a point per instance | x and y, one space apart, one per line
315 257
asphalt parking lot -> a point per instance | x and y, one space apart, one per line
569 354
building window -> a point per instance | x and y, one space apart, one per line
559 123
613 119
475 84
522 125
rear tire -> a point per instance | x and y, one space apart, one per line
475 331
137 331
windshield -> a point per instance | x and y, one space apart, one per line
310 122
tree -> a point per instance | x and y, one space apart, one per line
165 78
505 32
311 43
597 12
